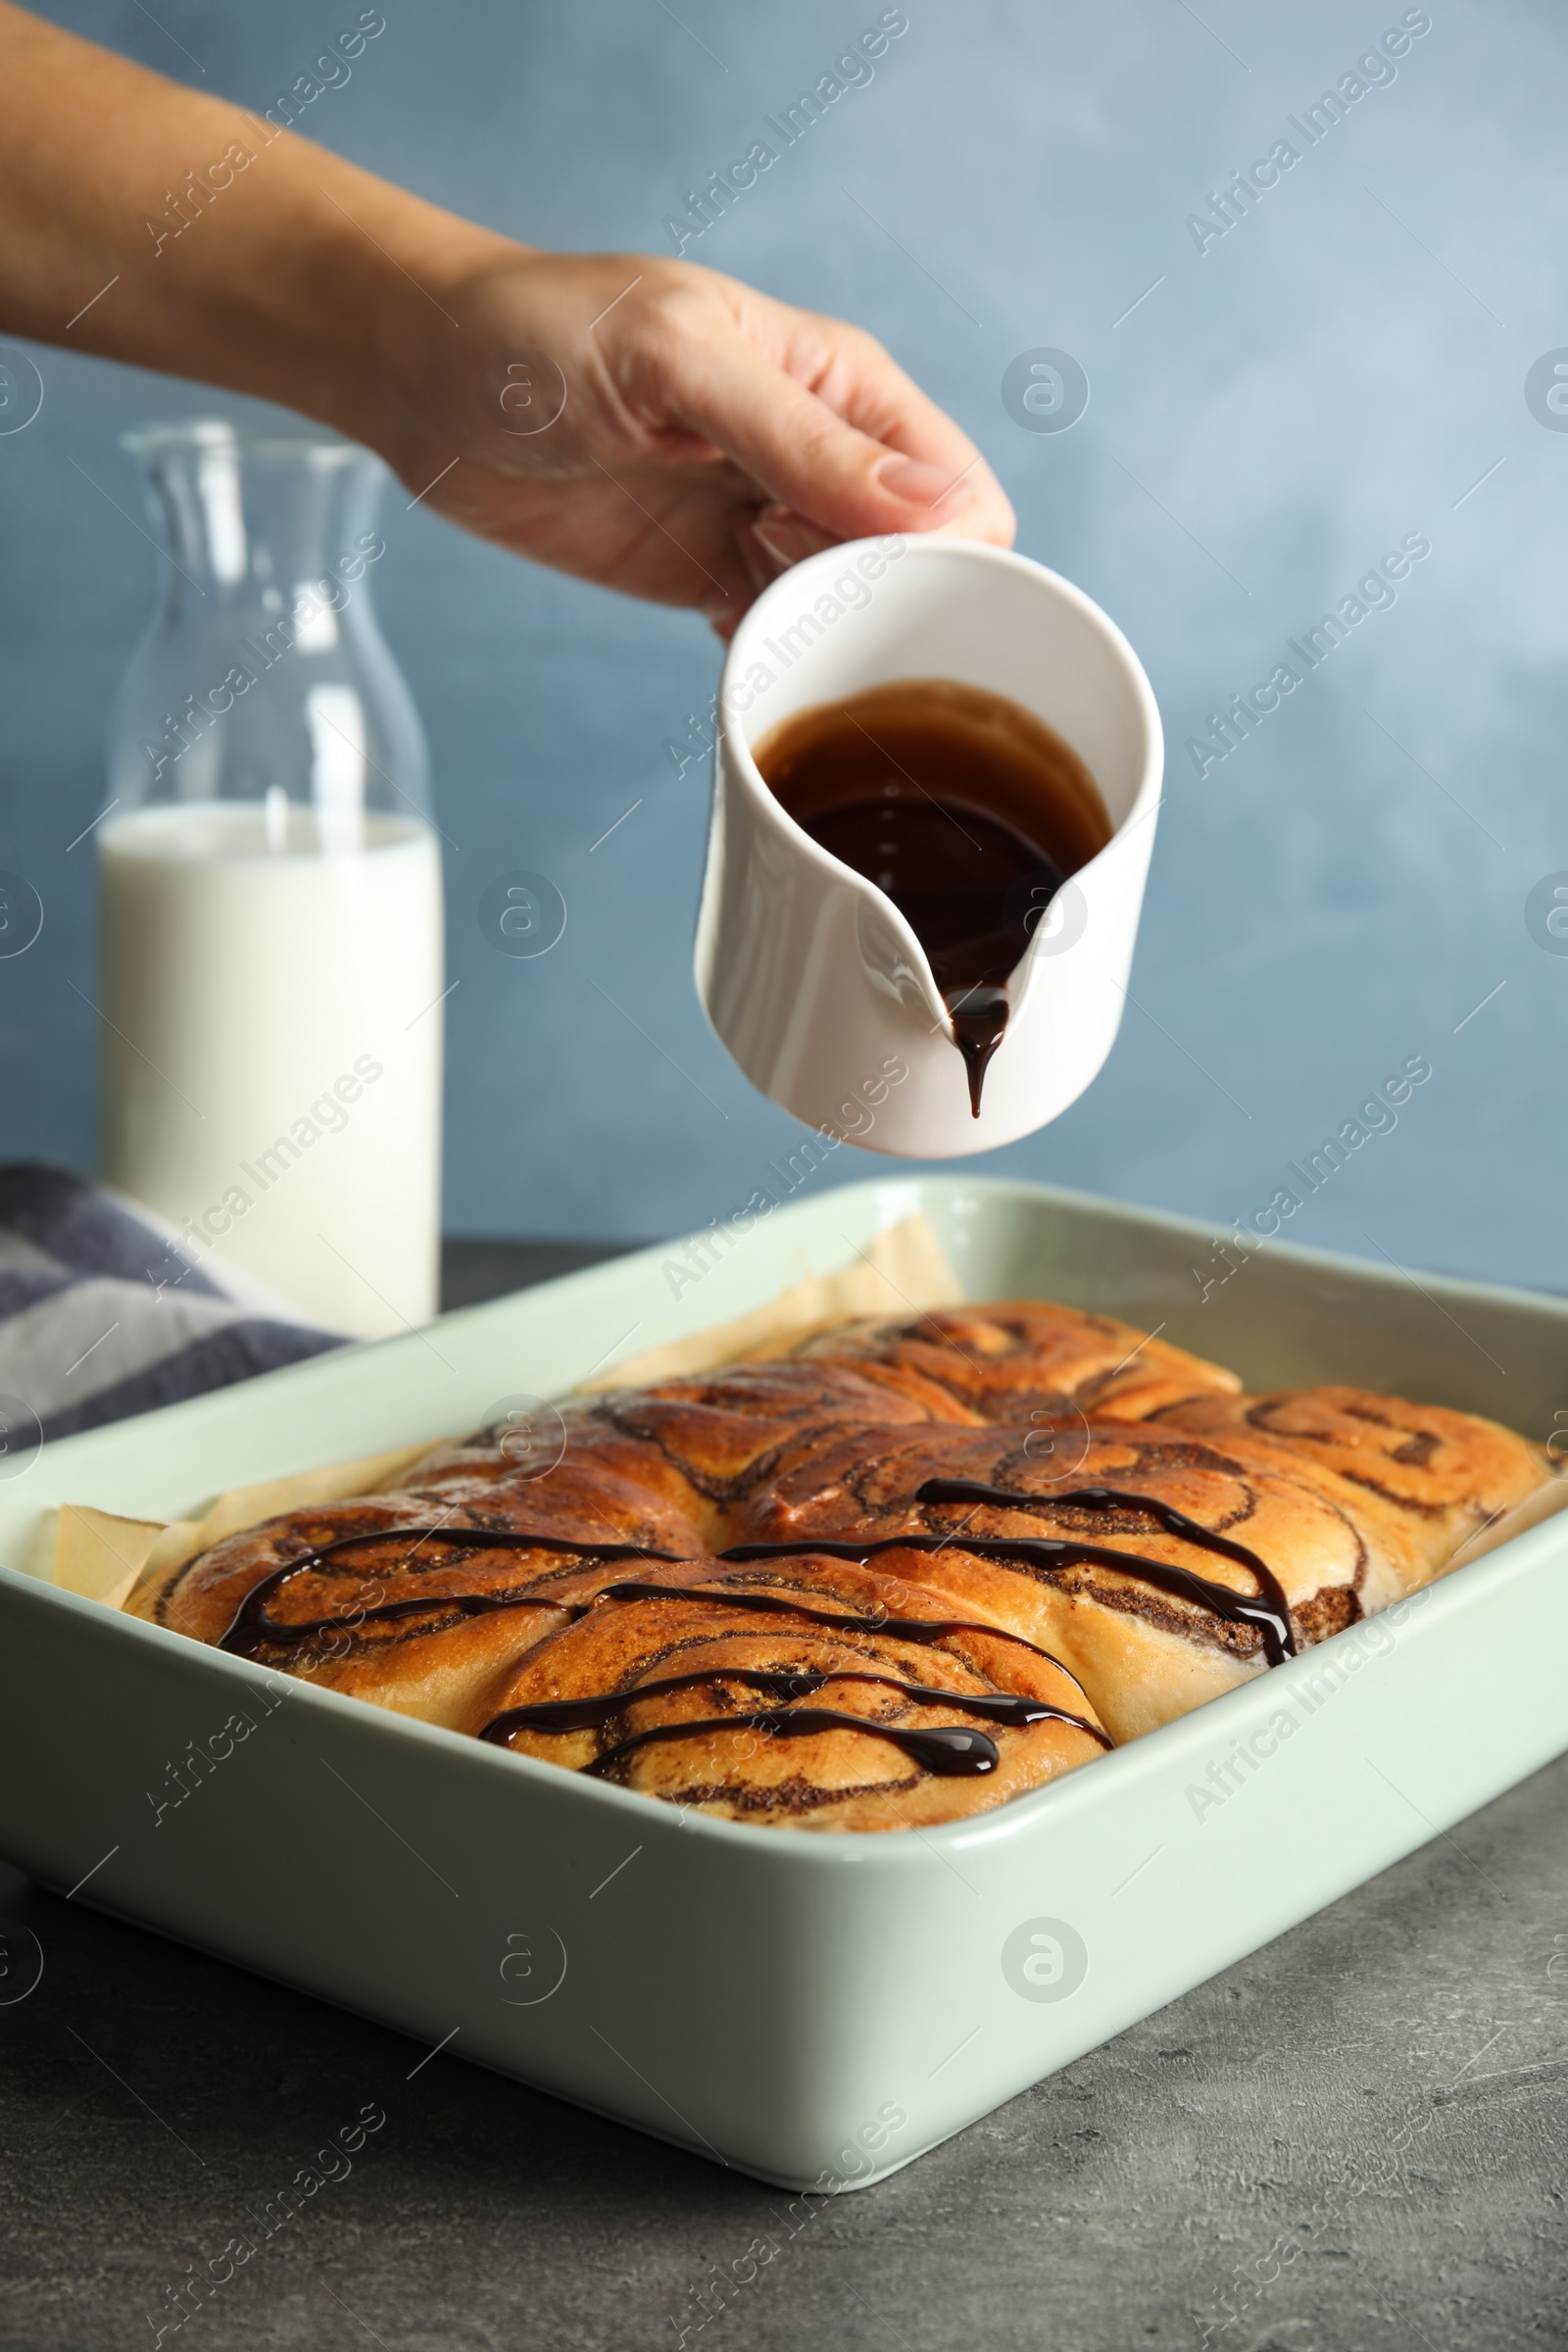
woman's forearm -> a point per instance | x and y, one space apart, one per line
153 224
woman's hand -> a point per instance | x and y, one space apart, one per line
662 429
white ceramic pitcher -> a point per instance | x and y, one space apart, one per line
812 977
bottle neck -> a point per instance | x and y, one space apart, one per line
263 528
263 677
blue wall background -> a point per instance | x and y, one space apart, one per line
1336 372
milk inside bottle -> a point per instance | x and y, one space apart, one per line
270 929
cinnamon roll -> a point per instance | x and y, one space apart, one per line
805 1693
899 1576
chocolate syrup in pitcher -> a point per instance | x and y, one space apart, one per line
963 808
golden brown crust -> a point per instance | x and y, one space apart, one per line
486 1582
1433 1474
725 1431
1027 1357
607 1483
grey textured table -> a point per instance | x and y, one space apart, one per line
1352 2142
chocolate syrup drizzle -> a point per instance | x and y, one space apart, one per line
590 1714
1036 1551
1270 1612
251 1625
939 1748
944 1749
948 1749
904 1629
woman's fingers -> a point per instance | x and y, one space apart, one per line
806 446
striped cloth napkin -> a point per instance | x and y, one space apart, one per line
102 1314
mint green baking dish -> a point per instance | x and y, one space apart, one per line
815 2010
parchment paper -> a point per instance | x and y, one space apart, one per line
1545 1504
904 1271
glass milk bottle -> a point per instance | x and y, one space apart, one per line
271 943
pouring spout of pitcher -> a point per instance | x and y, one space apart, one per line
895 963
